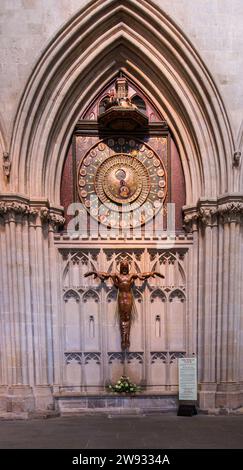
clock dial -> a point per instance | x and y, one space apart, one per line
122 182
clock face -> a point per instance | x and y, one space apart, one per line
122 182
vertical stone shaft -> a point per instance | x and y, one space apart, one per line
5 347
210 253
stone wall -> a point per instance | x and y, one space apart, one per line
214 27
191 67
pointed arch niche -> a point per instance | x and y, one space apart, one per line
86 55
178 315
87 133
170 84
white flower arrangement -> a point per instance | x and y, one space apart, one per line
124 385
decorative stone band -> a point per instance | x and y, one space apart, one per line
227 209
17 209
231 212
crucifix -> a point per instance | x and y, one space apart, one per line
124 281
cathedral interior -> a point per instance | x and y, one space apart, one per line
121 204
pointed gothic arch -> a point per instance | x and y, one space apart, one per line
76 258
71 294
158 293
90 294
123 255
169 70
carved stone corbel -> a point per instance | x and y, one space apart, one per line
191 221
208 215
205 215
50 217
236 158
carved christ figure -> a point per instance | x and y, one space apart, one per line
124 281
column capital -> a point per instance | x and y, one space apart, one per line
210 212
16 208
231 212
52 217
203 214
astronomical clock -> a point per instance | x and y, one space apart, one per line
121 172
123 165
122 182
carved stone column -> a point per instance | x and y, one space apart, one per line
207 301
229 392
206 274
219 278
191 222
26 306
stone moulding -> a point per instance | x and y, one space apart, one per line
84 44
211 212
18 207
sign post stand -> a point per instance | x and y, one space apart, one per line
187 386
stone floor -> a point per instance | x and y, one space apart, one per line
166 431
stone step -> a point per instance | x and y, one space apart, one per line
13 415
94 411
71 405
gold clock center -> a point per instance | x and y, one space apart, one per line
121 179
